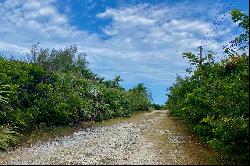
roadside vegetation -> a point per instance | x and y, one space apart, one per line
214 99
56 87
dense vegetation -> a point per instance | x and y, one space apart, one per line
57 88
214 100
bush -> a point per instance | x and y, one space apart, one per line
215 98
217 107
7 138
57 88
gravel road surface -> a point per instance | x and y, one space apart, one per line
145 138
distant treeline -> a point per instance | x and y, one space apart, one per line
157 106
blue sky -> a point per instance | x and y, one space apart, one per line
140 40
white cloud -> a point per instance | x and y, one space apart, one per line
128 15
7 46
26 22
145 45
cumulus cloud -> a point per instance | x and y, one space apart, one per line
155 45
128 16
145 42
26 22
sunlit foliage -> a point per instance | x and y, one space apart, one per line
57 88
214 100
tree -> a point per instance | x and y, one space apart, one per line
116 82
217 106
241 41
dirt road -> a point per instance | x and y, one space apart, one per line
145 138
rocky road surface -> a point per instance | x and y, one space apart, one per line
145 138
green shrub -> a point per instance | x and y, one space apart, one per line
57 88
7 138
215 98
